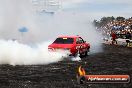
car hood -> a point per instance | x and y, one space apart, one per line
61 45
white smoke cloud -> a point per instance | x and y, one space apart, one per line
42 27
71 3
14 53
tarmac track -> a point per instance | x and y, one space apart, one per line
113 60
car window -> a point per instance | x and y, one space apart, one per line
79 40
64 41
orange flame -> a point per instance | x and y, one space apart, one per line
81 71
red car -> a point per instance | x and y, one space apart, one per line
75 44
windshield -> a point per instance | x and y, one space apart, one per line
64 41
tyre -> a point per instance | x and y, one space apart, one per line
87 52
77 54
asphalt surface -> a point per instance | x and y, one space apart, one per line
113 60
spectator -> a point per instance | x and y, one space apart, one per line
128 35
113 35
121 27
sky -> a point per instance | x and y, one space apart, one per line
99 8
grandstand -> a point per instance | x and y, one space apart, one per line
46 6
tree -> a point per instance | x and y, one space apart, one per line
96 23
120 18
106 20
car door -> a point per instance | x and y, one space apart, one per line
80 45
83 45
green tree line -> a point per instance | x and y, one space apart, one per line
105 20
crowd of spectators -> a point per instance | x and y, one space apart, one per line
120 27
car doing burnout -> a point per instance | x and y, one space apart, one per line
75 44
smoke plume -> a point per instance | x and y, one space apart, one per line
42 27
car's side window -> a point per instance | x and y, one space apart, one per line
81 40
77 41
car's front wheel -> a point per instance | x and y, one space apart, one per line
86 52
